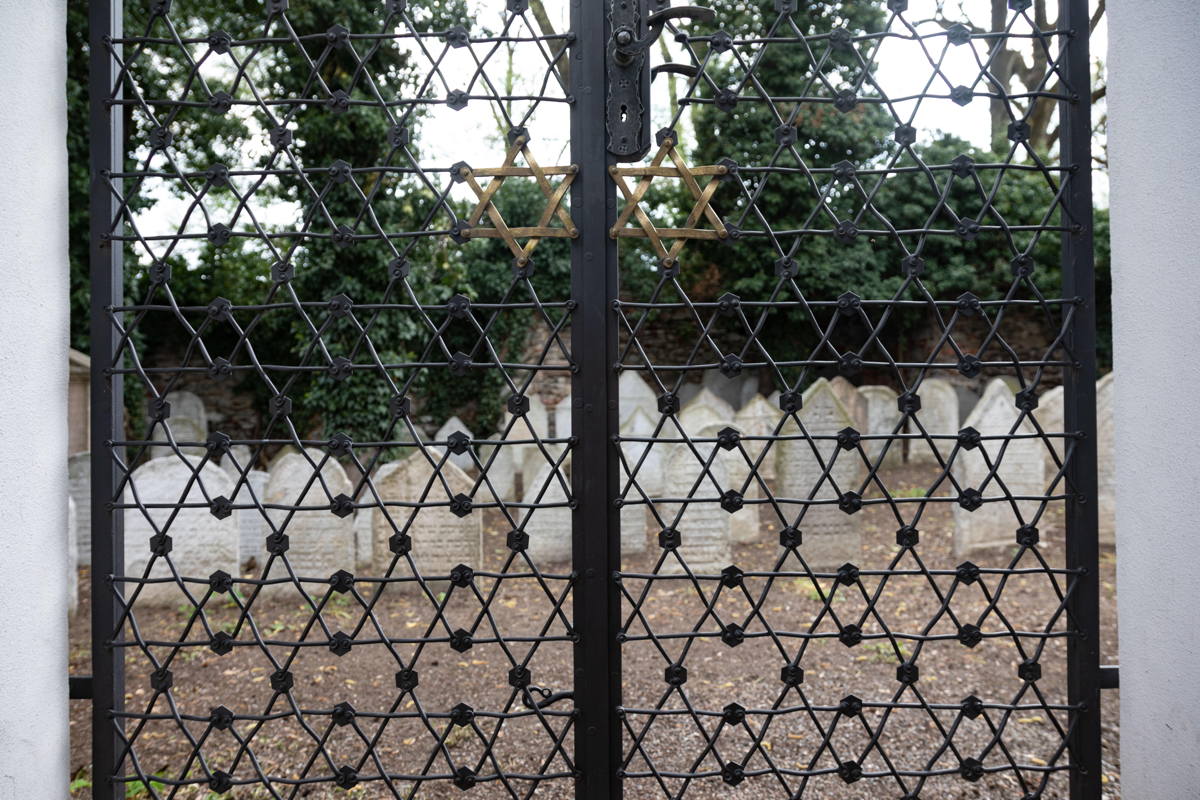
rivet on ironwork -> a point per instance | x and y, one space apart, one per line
220 717
407 680
731 366
908 536
850 771
847 574
347 777
733 773
221 643
970 635
219 234
517 541
905 135
340 368
462 715
280 406
850 635
971 769
278 543
343 714
400 544
791 675
220 42
461 641
790 401
221 507
457 99
1028 536
970 499
220 102
908 673
675 675
340 644
220 369
338 35
464 778
850 364
846 232
339 102
726 100
970 365
845 101
969 438
280 137
220 782
848 438
341 581
342 506
962 95
972 707
791 536
967 572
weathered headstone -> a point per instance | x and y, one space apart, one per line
454 427
252 526
704 409
1050 416
201 543
645 462
938 415
188 422
634 392
855 403
1106 465
561 418
883 417
72 558
734 391
703 526
442 531
993 522
744 524
79 486
320 541
237 460
759 418
549 529
497 460
831 537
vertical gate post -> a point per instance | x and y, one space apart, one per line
34 330
593 419
1156 305
107 277
1082 519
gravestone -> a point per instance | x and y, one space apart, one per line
744 524
549 529
644 461
497 460
561 419
995 524
252 526
72 557
79 487
188 423
236 460
464 460
201 543
1105 462
855 403
634 393
831 537
938 415
735 391
1050 416
705 409
759 418
704 527
439 538
530 430
883 417
320 541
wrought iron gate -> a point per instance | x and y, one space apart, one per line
702 665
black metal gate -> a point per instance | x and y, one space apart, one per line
689 664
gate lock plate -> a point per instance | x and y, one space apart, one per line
634 29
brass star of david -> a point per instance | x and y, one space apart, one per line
645 228
500 228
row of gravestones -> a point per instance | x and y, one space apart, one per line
411 520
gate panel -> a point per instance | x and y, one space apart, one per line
335 219
836 603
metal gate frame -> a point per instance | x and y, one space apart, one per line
595 479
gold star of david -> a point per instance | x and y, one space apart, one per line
645 228
501 229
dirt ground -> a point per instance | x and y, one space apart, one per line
783 730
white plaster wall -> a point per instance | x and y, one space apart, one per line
1154 120
33 400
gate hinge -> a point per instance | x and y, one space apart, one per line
1110 677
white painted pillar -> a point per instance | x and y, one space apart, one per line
1154 119
33 400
